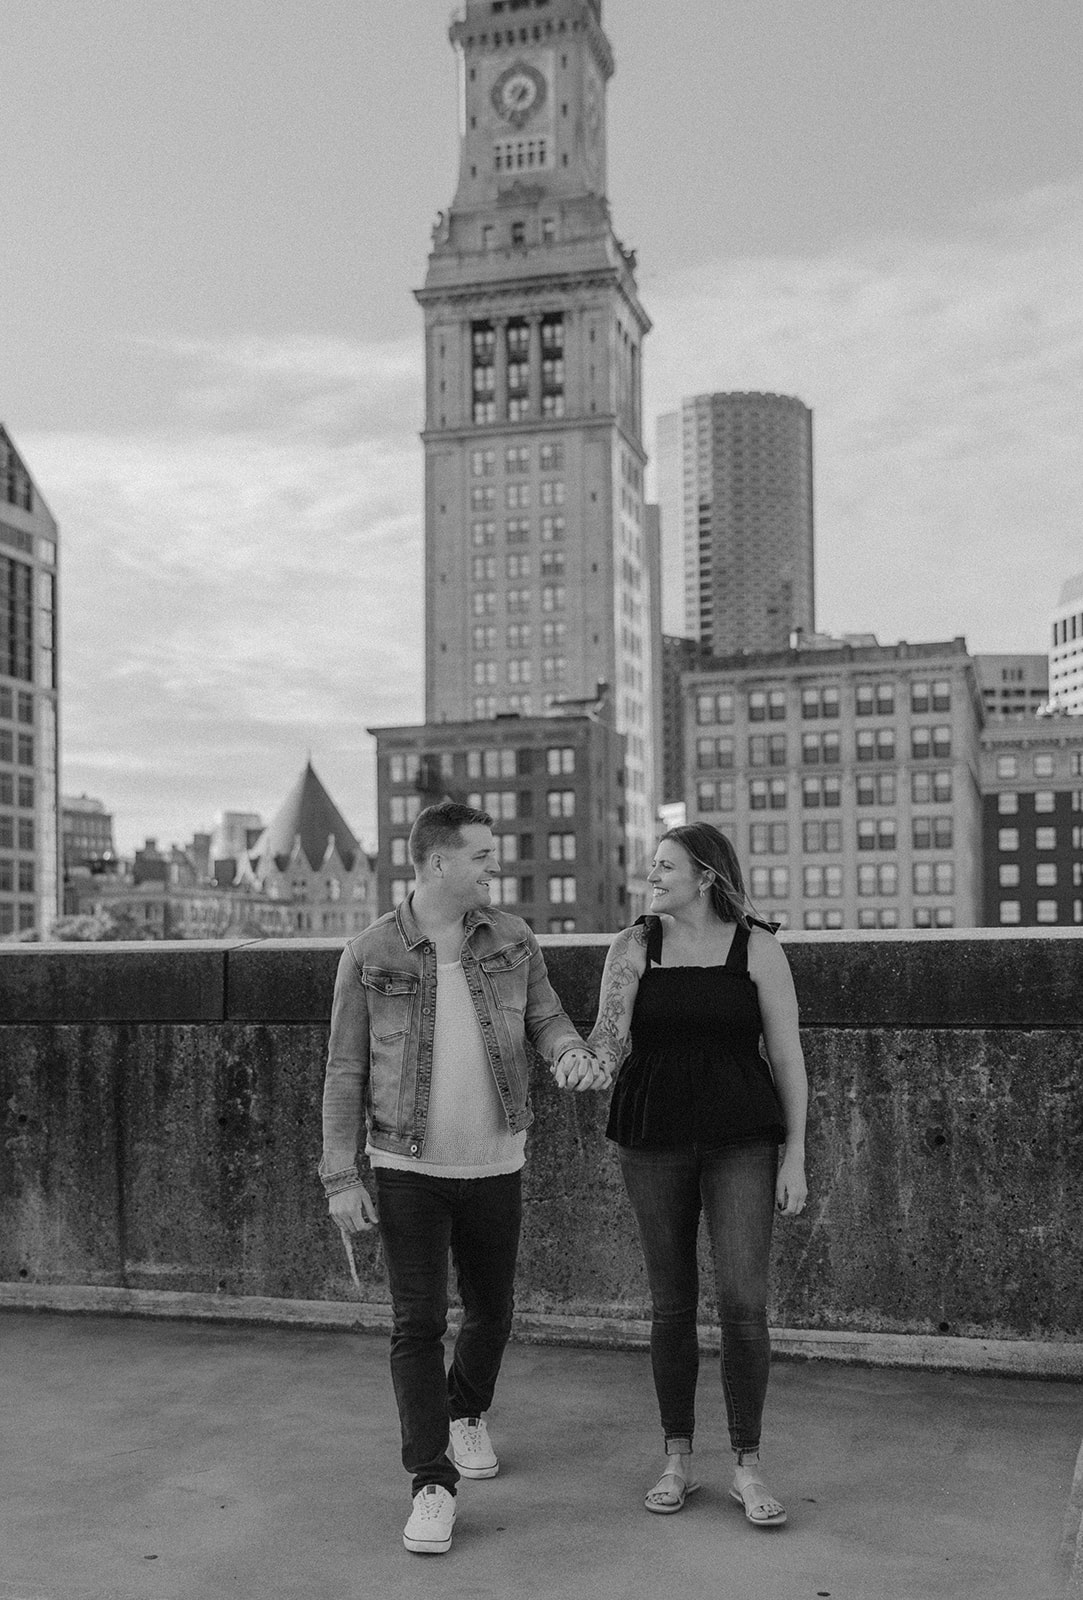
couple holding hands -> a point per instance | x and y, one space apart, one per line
434 1006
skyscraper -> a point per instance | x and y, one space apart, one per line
1066 649
735 486
29 790
537 569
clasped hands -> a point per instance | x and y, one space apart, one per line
581 1069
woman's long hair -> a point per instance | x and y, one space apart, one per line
710 849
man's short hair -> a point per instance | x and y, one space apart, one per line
440 828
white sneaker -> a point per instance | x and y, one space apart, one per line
428 1532
471 1449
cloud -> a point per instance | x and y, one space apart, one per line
945 378
236 593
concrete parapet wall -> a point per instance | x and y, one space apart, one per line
160 1106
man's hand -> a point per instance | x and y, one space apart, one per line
579 1069
353 1210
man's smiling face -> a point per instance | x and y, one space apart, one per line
466 872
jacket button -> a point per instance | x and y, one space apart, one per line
414 1148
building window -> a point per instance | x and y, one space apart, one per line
516 458
1046 911
768 839
876 834
552 597
934 877
931 788
1044 766
404 768
1007 803
562 891
819 703
561 924
767 705
820 749
482 463
552 528
823 883
826 836
715 796
551 457
1008 839
875 744
926 742
517 531
826 792
875 788
874 699
561 802
717 707
562 847
483 534
560 760
515 566
767 750
404 808
552 564
764 794
769 883
935 696
1045 800
1045 838
1007 766
507 848
1046 875
1008 875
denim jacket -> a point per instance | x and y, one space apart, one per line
379 1059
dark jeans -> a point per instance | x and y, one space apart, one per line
421 1219
735 1186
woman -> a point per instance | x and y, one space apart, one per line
698 1117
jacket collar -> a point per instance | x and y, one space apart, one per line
411 935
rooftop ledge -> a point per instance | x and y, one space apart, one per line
971 978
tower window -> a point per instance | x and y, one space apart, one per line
520 155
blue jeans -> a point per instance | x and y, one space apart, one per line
421 1219
735 1186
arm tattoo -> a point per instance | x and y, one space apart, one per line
620 980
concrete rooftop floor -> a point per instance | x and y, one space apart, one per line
196 1461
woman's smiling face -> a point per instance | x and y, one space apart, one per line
674 877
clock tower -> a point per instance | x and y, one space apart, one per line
539 564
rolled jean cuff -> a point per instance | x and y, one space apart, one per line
678 1444
336 1182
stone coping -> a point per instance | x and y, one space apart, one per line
961 978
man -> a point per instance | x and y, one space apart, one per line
434 1004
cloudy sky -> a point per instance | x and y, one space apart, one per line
210 356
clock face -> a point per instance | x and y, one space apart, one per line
518 93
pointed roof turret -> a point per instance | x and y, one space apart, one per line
308 824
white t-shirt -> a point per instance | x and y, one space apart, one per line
466 1131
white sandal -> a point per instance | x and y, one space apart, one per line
665 1500
754 1495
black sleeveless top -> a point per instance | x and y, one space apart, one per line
695 1074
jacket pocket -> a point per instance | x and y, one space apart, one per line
390 997
507 972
